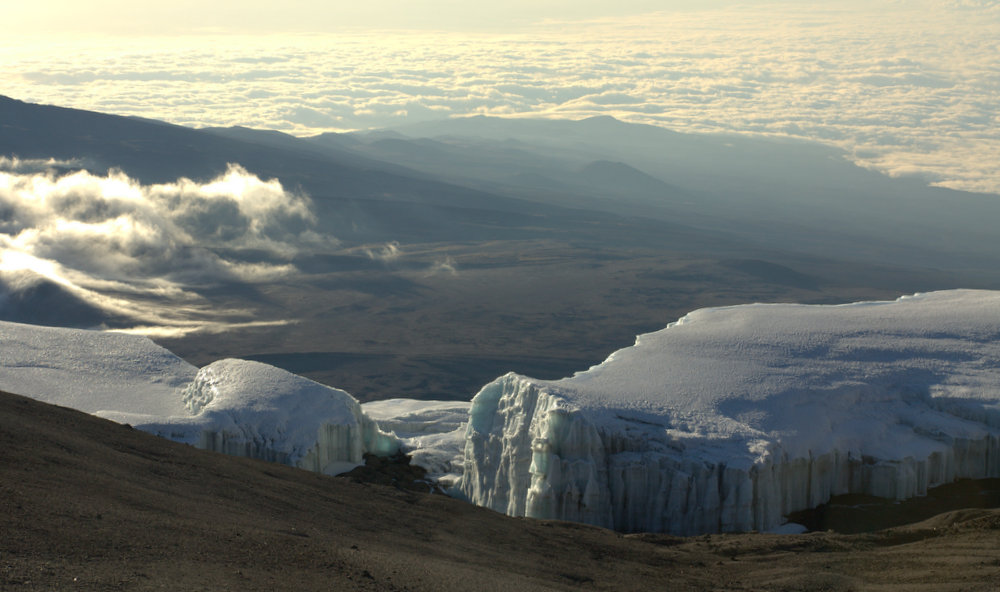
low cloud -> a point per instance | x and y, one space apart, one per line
143 252
443 266
13 164
386 253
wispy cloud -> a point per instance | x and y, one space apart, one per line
443 266
386 253
144 251
13 164
905 86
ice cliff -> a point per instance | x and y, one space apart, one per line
233 406
252 409
730 418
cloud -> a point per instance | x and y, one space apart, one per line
143 252
386 253
13 164
443 266
849 73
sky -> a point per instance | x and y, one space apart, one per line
312 16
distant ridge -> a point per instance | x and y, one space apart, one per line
27 298
359 198
619 177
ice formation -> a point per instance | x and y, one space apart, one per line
92 371
432 432
727 420
233 406
730 418
252 409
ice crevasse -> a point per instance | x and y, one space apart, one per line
730 418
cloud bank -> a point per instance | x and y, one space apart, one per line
908 87
143 252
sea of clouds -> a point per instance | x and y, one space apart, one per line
908 87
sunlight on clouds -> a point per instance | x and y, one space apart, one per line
183 329
904 87
143 251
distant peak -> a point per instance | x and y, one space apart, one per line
601 119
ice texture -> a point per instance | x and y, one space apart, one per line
92 371
730 418
233 406
431 432
251 409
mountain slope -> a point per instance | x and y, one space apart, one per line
790 194
357 198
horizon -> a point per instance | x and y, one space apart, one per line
904 88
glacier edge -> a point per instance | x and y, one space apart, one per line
530 452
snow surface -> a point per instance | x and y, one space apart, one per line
92 371
247 408
731 418
233 406
432 432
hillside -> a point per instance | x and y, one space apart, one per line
88 504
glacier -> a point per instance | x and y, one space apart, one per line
251 409
92 371
238 407
431 432
731 418
727 420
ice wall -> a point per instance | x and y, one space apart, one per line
731 418
252 409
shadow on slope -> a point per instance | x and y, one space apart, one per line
28 298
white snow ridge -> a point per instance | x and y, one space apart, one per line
731 418
431 432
